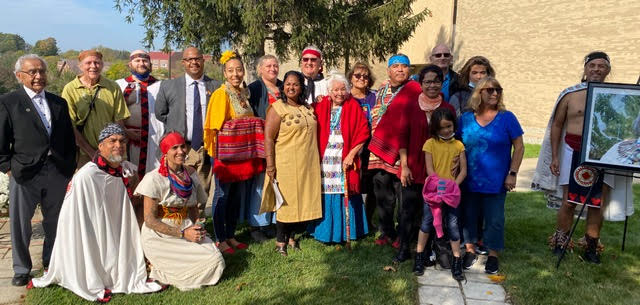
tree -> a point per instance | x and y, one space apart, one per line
117 70
342 29
109 54
46 47
11 43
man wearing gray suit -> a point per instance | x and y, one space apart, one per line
182 106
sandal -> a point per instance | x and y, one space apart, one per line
282 249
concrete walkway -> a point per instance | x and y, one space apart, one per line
10 294
437 287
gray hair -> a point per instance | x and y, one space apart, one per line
261 61
337 77
21 60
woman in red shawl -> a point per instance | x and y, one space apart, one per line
342 130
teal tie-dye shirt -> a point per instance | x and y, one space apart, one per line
488 150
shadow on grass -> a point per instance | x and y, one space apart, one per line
532 277
319 274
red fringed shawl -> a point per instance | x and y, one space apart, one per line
392 130
355 130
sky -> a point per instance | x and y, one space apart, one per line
75 24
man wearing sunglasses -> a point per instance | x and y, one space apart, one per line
182 106
310 66
37 151
441 57
558 165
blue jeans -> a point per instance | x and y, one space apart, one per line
449 221
492 207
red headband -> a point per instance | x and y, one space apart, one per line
170 140
312 52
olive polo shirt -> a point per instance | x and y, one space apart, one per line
109 106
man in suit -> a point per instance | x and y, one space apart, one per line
182 106
37 151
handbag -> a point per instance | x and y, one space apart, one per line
241 139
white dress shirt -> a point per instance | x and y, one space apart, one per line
40 103
189 100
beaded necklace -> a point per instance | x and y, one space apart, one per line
383 105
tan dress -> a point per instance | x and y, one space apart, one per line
297 165
176 261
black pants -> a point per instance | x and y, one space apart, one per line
47 188
387 189
410 213
286 230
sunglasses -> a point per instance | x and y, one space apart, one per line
439 55
359 76
490 91
312 59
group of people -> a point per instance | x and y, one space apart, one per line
125 194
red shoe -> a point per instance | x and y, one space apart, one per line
229 251
30 284
382 240
396 243
241 246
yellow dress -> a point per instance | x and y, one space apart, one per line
297 165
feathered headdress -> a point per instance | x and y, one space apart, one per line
226 55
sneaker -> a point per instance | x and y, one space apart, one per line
492 265
469 259
481 249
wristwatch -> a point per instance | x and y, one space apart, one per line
512 173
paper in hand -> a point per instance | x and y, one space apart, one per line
278 195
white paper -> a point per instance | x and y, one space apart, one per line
276 191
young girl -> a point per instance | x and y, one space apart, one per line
446 169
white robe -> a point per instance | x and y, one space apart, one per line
156 128
98 241
621 197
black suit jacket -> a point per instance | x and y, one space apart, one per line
24 142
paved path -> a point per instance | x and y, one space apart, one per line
437 287
8 293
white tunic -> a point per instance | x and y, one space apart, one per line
156 128
97 241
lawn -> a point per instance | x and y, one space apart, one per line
531 150
529 266
322 274
318 274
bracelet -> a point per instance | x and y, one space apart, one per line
182 233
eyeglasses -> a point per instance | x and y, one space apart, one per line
431 82
439 55
490 91
33 73
312 59
192 59
359 76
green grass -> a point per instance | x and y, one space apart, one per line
529 266
319 274
531 150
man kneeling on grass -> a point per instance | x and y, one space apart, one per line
98 250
